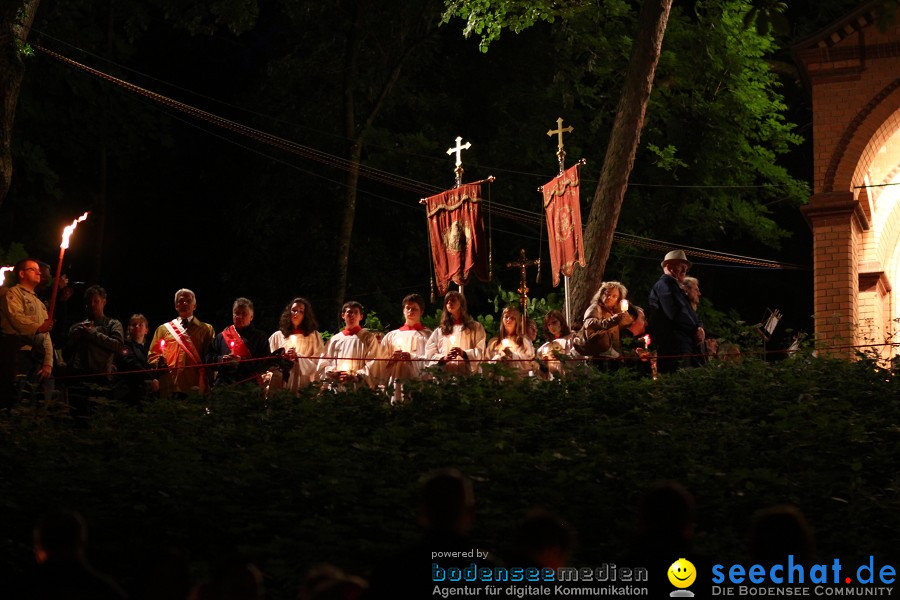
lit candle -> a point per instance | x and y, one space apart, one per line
506 343
231 345
162 345
624 305
647 341
345 366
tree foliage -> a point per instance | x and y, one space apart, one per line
716 117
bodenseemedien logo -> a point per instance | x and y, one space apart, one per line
682 574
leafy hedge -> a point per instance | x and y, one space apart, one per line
292 482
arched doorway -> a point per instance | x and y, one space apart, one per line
852 69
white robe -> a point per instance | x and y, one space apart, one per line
563 346
521 358
355 353
308 347
410 341
471 341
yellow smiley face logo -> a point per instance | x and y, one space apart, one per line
682 573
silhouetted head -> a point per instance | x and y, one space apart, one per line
448 502
60 535
778 531
667 512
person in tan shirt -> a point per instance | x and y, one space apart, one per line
25 346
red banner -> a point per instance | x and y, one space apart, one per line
564 224
457 236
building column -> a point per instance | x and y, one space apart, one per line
837 222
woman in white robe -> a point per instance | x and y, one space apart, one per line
458 342
297 334
511 346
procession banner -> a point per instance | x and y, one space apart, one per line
456 231
561 203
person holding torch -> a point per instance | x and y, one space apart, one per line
25 348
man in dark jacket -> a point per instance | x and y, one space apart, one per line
674 325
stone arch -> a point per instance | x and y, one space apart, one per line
865 133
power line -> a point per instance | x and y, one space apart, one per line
398 181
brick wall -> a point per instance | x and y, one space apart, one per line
855 81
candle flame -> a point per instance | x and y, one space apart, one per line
505 343
624 305
647 341
67 232
3 271
162 345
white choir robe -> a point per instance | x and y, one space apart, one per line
563 346
472 341
411 341
522 357
308 347
355 353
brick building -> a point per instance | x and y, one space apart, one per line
852 69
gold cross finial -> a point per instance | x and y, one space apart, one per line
560 132
458 150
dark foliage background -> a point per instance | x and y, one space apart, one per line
176 202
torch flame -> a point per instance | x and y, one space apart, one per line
3 271
67 232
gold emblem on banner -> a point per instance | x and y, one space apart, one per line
565 222
456 237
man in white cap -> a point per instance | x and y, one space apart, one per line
674 326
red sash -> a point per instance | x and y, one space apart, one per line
235 342
184 340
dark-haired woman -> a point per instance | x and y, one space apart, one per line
301 342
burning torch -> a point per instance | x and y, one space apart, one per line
67 233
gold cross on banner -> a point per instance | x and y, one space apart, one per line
458 150
458 171
560 132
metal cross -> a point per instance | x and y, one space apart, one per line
522 264
458 149
560 153
560 131
458 171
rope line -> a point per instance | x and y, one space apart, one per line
515 213
566 359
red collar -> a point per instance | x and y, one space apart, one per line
353 331
416 327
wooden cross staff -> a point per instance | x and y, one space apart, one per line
522 264
560 153
458 171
